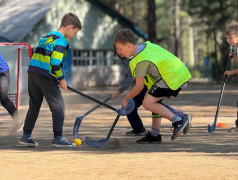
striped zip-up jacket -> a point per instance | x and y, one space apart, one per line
49 56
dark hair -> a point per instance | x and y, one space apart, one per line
125 36
71 19
232 29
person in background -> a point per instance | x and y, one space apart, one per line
4 99
231 34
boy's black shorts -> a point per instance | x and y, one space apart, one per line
156 91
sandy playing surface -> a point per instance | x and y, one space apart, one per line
197 155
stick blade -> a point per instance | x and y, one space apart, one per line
96 143
124 111
77 123
211 128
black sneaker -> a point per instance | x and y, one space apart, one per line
179 127
28 141
186 129
149 138
136 133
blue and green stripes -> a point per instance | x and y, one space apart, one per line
49 56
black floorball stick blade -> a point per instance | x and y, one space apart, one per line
96 143
211 128
77 123
124 111
101 142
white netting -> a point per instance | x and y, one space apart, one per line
17 56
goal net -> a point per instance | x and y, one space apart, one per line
17 56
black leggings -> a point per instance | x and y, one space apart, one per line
4 86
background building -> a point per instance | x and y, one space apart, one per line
91 57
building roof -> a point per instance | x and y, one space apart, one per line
18 17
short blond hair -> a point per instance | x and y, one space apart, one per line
232 29
125 36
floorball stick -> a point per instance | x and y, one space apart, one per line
213 126
101 142
123 111
79 119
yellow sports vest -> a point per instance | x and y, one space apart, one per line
171 69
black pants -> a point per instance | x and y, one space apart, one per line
133 118
38 87
4 86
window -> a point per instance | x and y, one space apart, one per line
95 58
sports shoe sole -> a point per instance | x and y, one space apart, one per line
189 124
178 133
138 134
235 129
59 145
150 142
28 144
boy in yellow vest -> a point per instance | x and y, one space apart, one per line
165 73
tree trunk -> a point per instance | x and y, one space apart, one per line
151 18
196 47
176 28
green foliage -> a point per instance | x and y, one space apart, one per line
195 73
202 26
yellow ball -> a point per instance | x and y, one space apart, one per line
77 142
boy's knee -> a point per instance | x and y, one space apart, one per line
145 104
57 108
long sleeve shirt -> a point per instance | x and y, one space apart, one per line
49 56
128 78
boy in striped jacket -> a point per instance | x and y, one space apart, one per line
45 76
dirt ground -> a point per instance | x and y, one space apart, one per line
196 155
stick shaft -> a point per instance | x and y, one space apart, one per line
223 86
219 101
97 106
91 98
113 126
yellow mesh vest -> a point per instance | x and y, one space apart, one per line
171 69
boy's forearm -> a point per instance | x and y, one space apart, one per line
136 89
235 59
134 92
234 72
